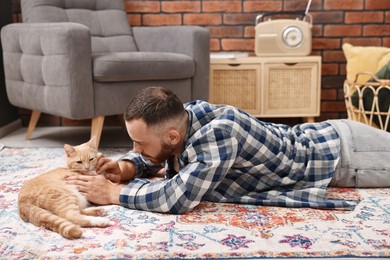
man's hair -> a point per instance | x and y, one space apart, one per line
154 105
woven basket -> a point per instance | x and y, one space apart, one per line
373 115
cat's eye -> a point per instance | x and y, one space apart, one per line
79 162
91 159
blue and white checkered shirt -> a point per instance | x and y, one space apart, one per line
230 156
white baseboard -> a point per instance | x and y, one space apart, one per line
13 126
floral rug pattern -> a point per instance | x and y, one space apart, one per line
212 230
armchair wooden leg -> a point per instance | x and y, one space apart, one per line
32 124
97 127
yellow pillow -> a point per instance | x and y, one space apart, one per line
362 58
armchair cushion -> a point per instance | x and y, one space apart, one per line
133 66
106 20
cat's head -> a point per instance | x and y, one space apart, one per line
82 158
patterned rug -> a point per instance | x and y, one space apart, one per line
212 230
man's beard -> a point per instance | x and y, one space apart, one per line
165 153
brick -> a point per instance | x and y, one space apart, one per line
142 6
222 6
226 31
331 82
263 6
333 56
363 41
343 5
315 5
296 5
377 4
387 17
328 94
317 30
215 45
325 44
327 17
237 45
315 53
340 94
134 19
342 30
376 30
249 32
343 69
181 6
330 69
161 19
386 42
243 19
333 106
202 19
364 17
328 115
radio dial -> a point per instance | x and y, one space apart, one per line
292 36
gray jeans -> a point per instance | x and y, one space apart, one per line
365 156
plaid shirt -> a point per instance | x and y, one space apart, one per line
230 156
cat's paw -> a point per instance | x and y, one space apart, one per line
95 211
101 222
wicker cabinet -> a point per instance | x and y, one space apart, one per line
268 86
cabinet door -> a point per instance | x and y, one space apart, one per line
237 85
291 89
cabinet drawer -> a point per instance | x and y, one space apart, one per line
237 85
290 89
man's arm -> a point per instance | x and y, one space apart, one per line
208 162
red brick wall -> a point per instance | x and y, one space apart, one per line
231 26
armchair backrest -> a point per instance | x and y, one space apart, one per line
106 19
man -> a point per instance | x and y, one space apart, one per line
222 154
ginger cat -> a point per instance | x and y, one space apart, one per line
48 201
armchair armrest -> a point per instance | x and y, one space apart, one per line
193 41
48 68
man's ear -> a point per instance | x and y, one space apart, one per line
172 137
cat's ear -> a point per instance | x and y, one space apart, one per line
68 149
92 142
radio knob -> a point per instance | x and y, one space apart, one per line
292 36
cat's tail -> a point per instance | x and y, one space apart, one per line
43 218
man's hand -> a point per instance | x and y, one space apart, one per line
115 171
109 168
97 189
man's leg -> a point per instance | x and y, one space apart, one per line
365 156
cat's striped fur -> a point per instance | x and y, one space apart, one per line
48 201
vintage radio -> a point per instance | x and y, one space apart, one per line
283 37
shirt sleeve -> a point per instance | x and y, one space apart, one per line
144 168
209 159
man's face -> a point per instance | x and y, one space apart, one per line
148 141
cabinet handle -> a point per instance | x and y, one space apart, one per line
233 64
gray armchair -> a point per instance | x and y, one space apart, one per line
80 59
